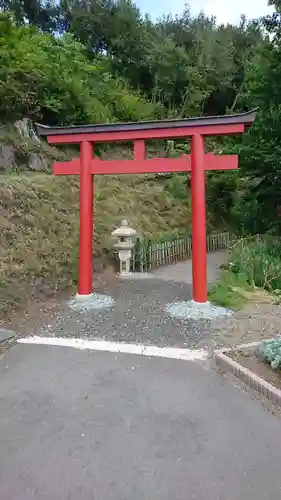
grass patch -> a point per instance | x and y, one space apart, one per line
253 273
227 291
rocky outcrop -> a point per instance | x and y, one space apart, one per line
7 157
21 148
37 161
26 130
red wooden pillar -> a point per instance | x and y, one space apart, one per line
199 255
86 220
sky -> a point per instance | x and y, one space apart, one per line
224 10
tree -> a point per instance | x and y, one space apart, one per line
43 14
260 150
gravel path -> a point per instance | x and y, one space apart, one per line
182 271
139 316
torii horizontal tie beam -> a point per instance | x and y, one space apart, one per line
154 165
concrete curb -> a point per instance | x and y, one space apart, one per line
251 379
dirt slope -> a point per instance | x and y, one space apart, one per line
39 220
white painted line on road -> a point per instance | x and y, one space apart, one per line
176 353
119 347
77 343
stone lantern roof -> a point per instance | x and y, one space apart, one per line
124 230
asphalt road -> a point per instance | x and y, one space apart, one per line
82 425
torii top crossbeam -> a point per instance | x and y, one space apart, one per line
87 164
155 129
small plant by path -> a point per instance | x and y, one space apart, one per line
226 292
270 350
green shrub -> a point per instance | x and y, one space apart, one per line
177 187
259 260
271 352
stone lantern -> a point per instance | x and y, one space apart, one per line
125 243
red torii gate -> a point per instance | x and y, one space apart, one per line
88 165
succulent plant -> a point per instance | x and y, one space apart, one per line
270 350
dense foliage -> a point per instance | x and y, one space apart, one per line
258 261
87 61
53 79
189 65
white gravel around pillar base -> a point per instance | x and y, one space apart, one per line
196 310
94 301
